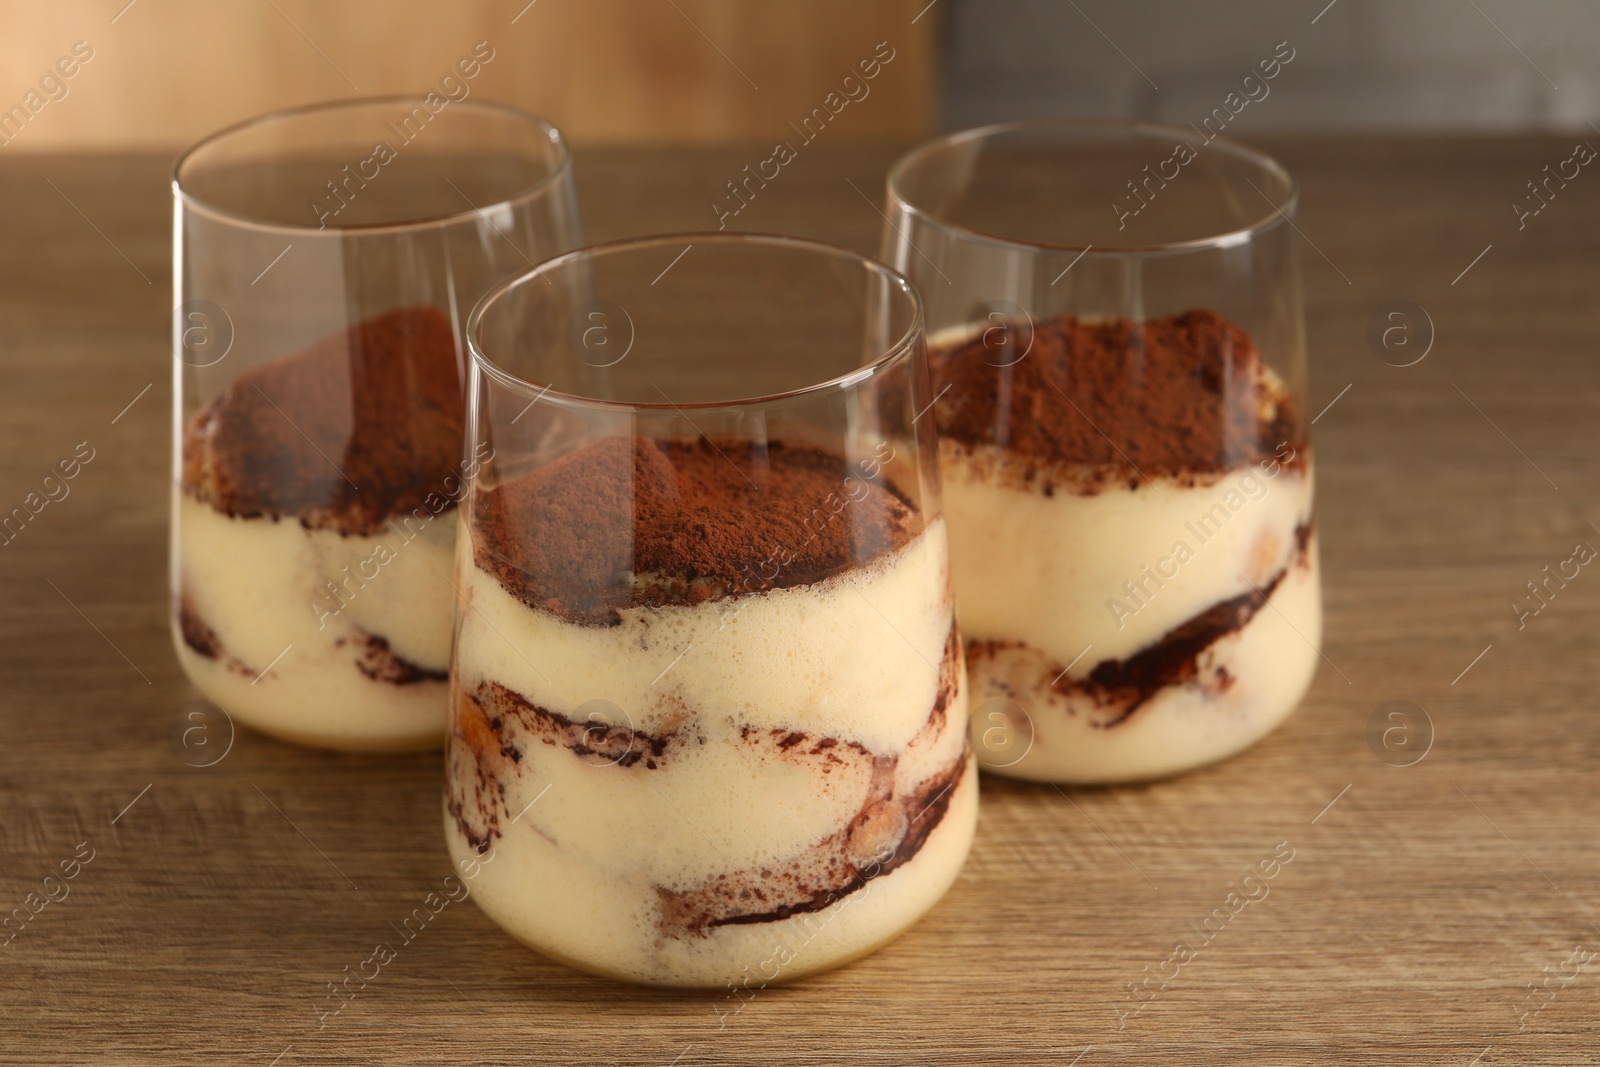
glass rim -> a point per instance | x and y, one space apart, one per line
1279 212
894 353
561 169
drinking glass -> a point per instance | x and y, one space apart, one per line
1116 339
324 262
708 714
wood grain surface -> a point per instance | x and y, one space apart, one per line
1444 912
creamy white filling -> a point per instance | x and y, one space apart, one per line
557 902
262 586
1055 571
1082 579
1024 727
855 658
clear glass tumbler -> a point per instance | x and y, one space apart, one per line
325 260
1116 338
709 720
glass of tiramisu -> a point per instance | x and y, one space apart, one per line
708 711
1117 348
325 260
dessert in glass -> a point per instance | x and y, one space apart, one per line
1116 340
708 711
325 266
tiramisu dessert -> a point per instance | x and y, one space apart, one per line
708 712
1132 538
314 520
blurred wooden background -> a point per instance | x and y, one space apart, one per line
166 72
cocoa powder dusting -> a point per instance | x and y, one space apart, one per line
355 428
628 521
1181 395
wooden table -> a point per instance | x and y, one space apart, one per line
1430 914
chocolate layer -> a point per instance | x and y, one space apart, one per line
380 663
885 834
1181 395
1122 686
490 730
376 659
203 640
197 633
355 428
950 665
493 725
628 521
